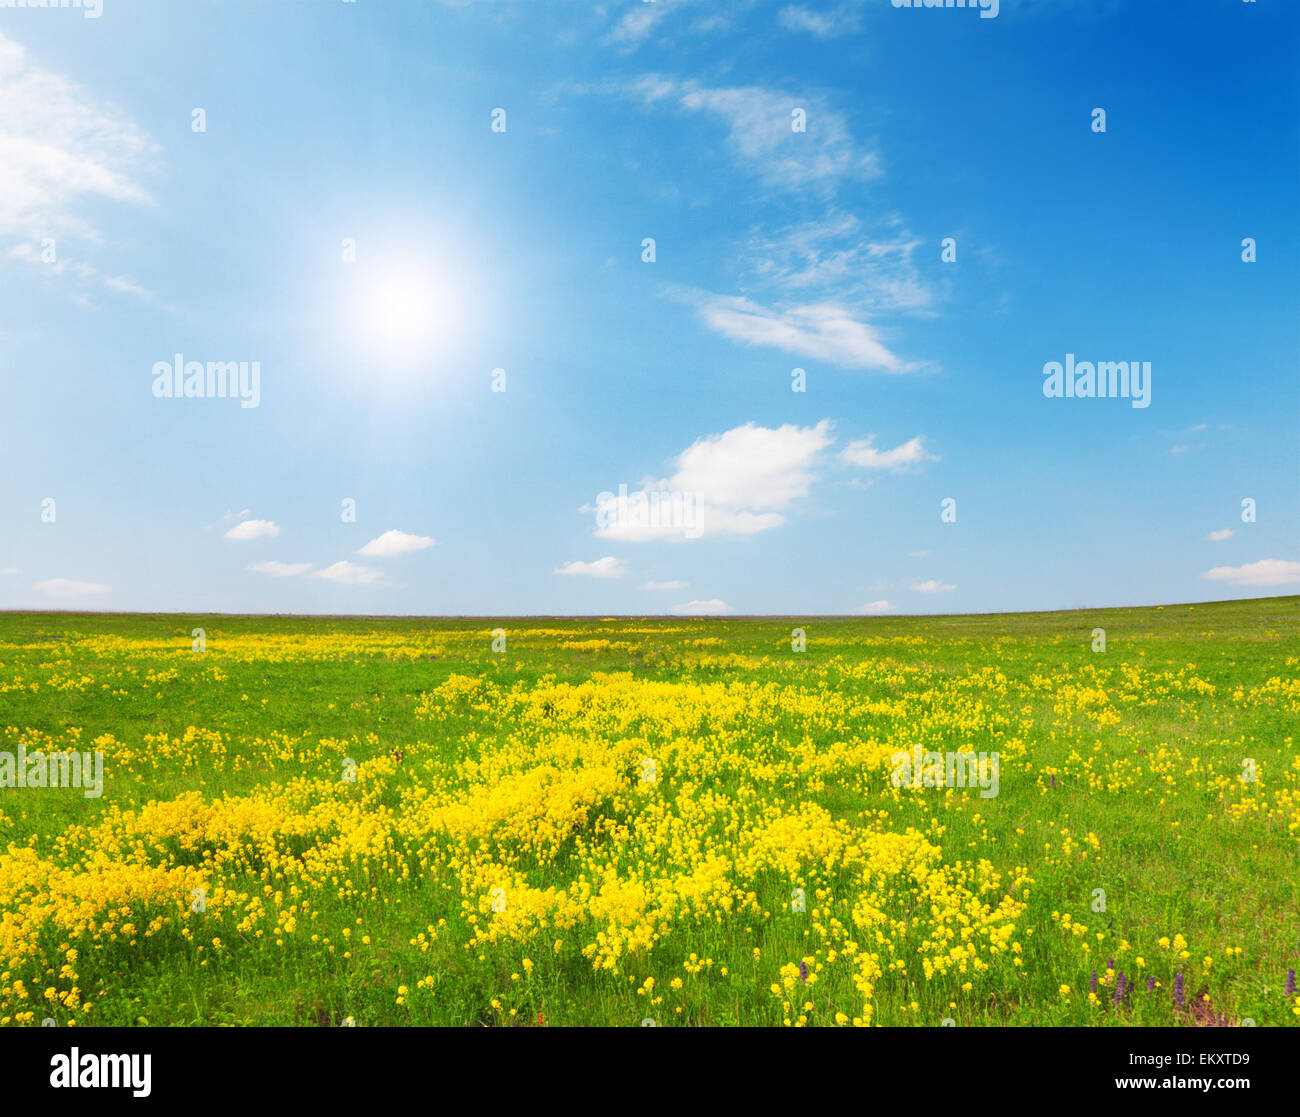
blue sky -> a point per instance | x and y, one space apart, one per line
129 235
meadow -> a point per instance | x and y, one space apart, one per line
378 821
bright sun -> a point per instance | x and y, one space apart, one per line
406 314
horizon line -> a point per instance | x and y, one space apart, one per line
629 616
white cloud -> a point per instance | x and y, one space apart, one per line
711 608
1220 535
823 25
863 453
607 567
1266 572
395 543
65 587
86 275
664 586
874 607
836 253
62 150
820 331
760 135
932 586
830 273
752 466
280 569
642 18
739 482
252 529
350 574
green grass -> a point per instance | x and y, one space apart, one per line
1120 770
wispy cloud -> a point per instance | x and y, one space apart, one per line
1220 535
821 332
85 275
811 288
837 256
663 585
760 130
640 20
823 24
63 150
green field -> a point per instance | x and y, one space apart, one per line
607 822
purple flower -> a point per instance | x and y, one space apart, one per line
1092 985
803 972
1053 783
1120 990
1180 992
1151 985
1290 983
1111 964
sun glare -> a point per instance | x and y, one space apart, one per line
406 314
